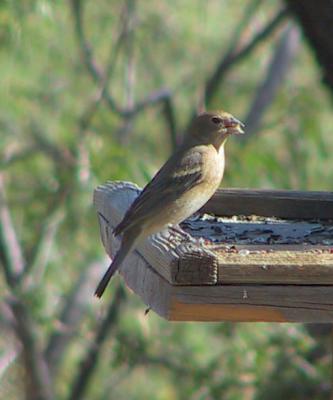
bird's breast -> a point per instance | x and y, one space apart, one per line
195 198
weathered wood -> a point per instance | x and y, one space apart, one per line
160 266
267 250
246 303
175 255
257 303
278 203
146 283
301 266
181 259
154 290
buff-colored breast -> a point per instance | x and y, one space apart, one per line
196 197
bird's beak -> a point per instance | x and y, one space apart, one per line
234 126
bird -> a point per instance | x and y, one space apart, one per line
183 185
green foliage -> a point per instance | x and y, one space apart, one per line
52 161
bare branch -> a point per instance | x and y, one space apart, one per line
90 110
7 319
61 156
277 70
129 44
249 11
226 63
12 254
316 22
92 107
162 96
231 58
170 119
89 363
87 57
99 77
153 98
38 260
38 379
7 358
13 347
10 159
71 315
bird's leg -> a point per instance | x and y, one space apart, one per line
178 230
199 241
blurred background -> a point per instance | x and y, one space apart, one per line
98 90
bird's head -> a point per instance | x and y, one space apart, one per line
214 127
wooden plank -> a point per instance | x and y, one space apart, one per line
154 291
302 267
224 312
175 255
140 277
242 303
235 302
181 259
246 303
278 203
272 250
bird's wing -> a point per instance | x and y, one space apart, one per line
177 176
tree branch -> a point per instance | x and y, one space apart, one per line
71 315
40 254
276 72
61 156
12 254
231 59
240 28
12 158
38 379
7 319
129 46
89 363
316 21
98 76
170 119
7 358
92 107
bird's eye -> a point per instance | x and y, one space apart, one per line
217 120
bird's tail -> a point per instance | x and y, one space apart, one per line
126 246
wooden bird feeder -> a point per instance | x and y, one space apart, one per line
249 255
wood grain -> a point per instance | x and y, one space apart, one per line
175 255
183 260
278 203
279 303
302 266
184 279
242 303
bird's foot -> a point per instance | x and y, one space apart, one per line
179 231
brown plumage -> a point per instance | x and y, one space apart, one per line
181 187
